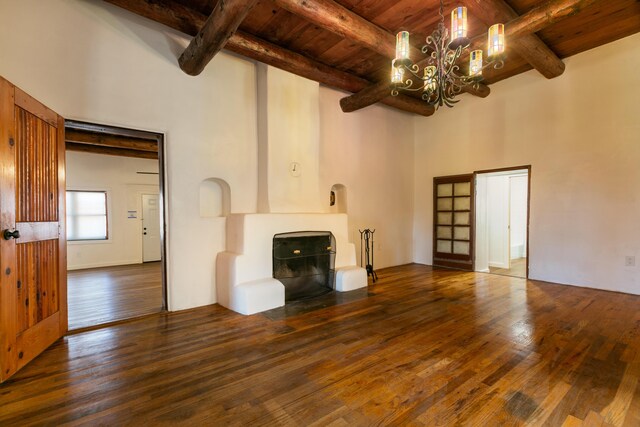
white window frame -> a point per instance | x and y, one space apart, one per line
107 238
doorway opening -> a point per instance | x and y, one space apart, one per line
115 224
502 221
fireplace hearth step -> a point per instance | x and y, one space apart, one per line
258 295
350 278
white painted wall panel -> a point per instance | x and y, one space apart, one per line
581 139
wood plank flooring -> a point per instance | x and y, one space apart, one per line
425 347
108 294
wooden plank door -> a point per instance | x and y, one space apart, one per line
453 219
33 303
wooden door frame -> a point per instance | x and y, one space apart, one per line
507 169
159 138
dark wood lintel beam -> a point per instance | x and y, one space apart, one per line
114 141
110 151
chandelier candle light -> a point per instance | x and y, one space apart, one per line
440 80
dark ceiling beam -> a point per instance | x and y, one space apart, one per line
167 12
528 46
214 34
536 19
532 21
110 151
544 15
114 141
367 96
263 51
189 22
381 90
341 21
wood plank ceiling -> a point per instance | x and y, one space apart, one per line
110 140
315 48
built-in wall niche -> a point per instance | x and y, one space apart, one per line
215 198
338 199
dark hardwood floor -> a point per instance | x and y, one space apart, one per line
425 347
102 295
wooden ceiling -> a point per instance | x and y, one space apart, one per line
110 140
346 43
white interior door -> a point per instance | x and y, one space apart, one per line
151 227
498 221
518 215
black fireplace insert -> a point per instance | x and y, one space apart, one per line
305 263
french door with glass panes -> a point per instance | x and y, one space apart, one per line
453 221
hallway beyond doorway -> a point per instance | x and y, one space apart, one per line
501 221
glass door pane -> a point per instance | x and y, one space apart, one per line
453 225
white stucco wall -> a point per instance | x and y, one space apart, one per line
95 62
367 152
580 132
289 141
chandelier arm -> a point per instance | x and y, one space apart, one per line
413 89
407 86
496 64
414 70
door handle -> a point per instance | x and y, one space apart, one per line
8 234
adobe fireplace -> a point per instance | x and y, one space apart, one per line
304 263
244 272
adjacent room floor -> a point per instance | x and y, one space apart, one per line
424 347
103 295
518 268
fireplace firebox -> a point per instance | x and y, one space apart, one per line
305 263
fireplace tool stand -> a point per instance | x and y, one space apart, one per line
366 246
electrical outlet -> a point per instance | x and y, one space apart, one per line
629 261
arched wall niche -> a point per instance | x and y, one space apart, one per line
215 198
338 199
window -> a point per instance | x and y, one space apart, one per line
86 215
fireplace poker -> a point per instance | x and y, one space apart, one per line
367 236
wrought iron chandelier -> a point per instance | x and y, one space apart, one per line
440 79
